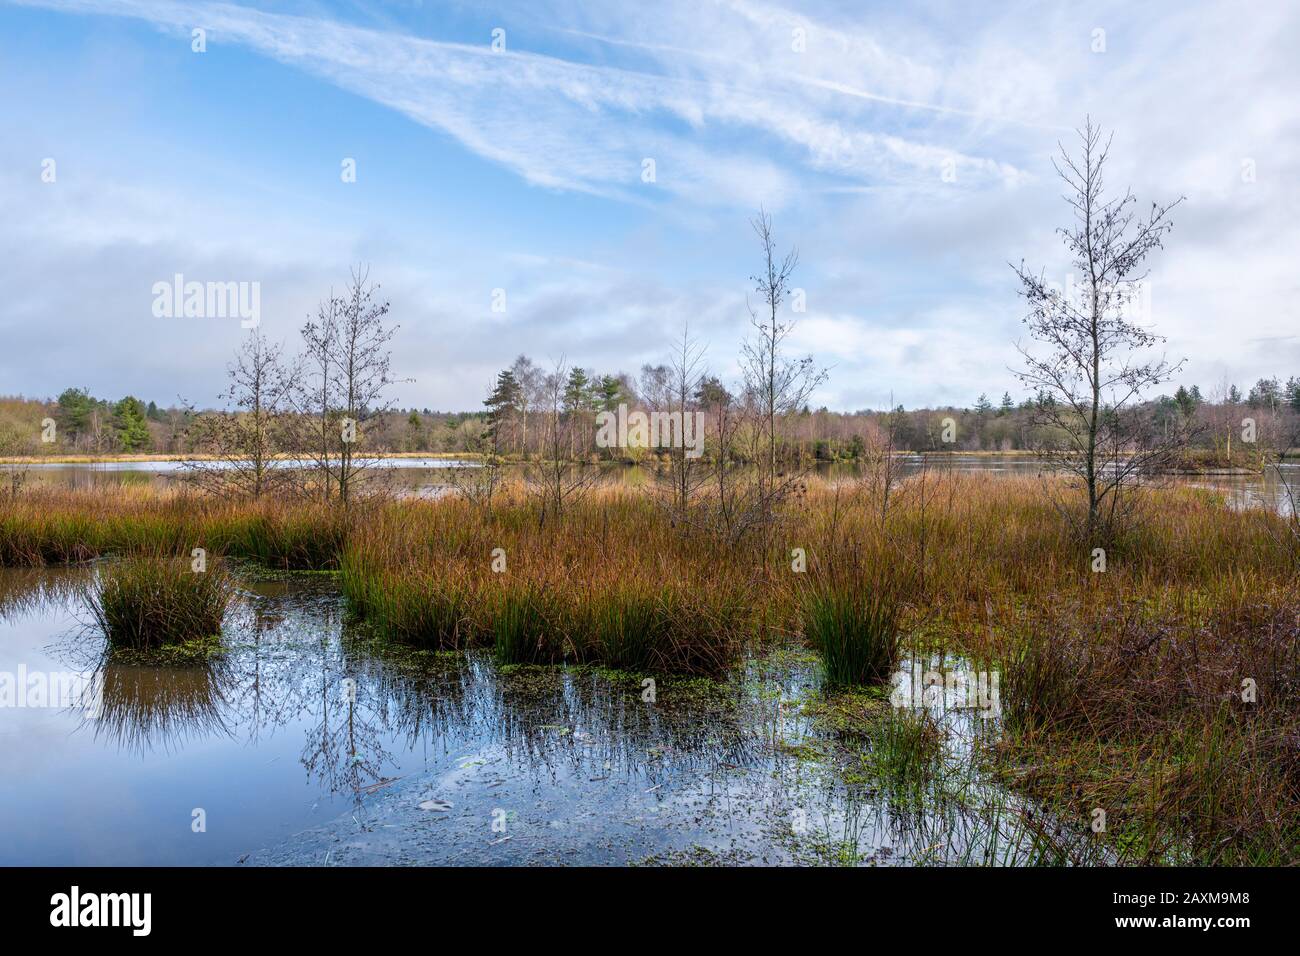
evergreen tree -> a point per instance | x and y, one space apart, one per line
131 424
1185 401
1267 393
502 405
75 406
610 392
1293 393
577 392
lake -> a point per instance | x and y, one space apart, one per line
428 476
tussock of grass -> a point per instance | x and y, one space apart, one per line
144 602
856 631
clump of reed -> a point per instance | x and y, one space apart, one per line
855 628
906 750
424 609
672 626
145 602
523 628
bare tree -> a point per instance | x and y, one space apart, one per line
778 385
341 390
531 382
686 371
881 469
313 397
1097 362
245 443
362 367
554 483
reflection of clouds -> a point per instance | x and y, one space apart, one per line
560 744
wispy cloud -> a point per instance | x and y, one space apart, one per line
572 125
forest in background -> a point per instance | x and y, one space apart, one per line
90 425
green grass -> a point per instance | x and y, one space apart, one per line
856 631
144 602
521 631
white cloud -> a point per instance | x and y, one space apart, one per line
847 141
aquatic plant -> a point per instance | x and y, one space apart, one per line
856 631
148 601
521 631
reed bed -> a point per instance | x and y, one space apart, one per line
1121 688
613 585
61 526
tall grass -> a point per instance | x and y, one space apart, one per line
1120 689
522 632
856 631
60 526
144 602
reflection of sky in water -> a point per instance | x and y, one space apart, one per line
305 744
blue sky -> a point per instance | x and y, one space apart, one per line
905 151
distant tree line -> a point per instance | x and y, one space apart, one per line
89 425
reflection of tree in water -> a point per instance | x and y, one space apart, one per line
345 749
290 653
28 590
429 699
290 668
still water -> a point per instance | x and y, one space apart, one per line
307 742
429 476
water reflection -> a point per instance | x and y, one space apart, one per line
141 708
306 741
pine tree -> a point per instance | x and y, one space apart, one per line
131 425
502 405
610 392
576 395
75 406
